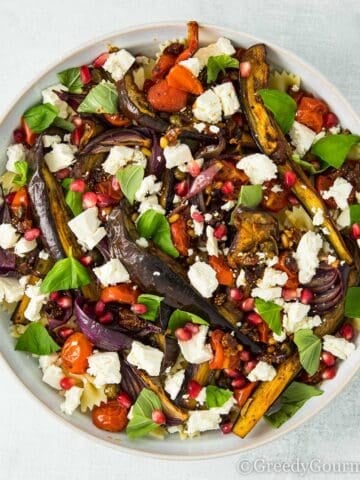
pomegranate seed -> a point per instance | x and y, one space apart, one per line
32 234
293 200
306 296
77 121
244 356
19 135
99 308
76 135
65 332
220 231
250 365
194 168
232 372
158 417
139 308
236 294
86 260
355 231
328 358
100 60
194 388
104 200
239 382
65 302
245 69
330 120
124 399
226 427
197 217
254 318
183 334
106 318
289 294
328 373
63 173
66 383
85 74
289 179
54 296
89 200
248 304
347 331
227 188
115 185
182 188
9 198
78 186
194 329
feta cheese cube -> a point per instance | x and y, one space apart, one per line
72 400
339 347
61 156
343 219
173 383
198 226
177 155
211 242
15 153
150 203
192 64
266 294
118 63
228 98
8 236
302 138
105 367
43 254
258 167
86 228
318 218
52 376
120 156
50 140
195 350
203 278
142 242
200 127
49 96
272 278
46 360
263 372
223 46
207 107
306 255
112 272
202 421
339 191
149 186
241 279
11 289
296 317
23 246
145 357
37 300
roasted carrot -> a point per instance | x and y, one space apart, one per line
125 293
224 274
193 42
164 98
311 113
180 236
182 78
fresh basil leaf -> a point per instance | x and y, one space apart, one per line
65 274
250 195
352 302
216 397
64 124
307 166
154 225
354 214
218 64
141 422
40 117
22 173
282 106
74 201
293 398
71 79
179 317
152 303
333 149
101 99
130 179
270 313
309 347
36 340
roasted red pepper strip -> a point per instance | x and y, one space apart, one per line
224 274
180 236
125 293
30 136
242 394
224 357
193 42
264 332
162 66
311 112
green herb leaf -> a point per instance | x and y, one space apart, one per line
141 422
270 313
71 79
40 117
216 397
250 196
130 179
282 106
333 149
22 173
65 274
154 225
152 303
74 201
179 317
352 302
293 398
37 340
218 64
309 346
64 124
307 166
354 214
101 99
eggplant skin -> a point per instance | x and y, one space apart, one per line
153 275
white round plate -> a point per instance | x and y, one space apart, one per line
145 39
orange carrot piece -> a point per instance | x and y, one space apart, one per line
164 98
182 78
125 293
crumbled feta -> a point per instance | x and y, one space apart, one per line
50 140
43 254
203 278
339 191
302 138
229 205
198 226
306 255
201 398
61 156
192 64
8 236
225 408
118 63
112 272
145 357
149 186
185 167
15 153
207 107
177 155
52 376
37 300
46 360
120 156
200 127
331 259
142 242
72 400
335 130
280 338
223 46
266 294
318 218
258 167
23 246
214 129
228 98
195 350
86 228
207 217
276 188
263 372
339 347
272 278
296 317
202 421
241 279
150 203
211 242
49 96
343 220
105 367
173 383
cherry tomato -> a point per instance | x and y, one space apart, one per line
110 416
311 112
75 353
164 98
